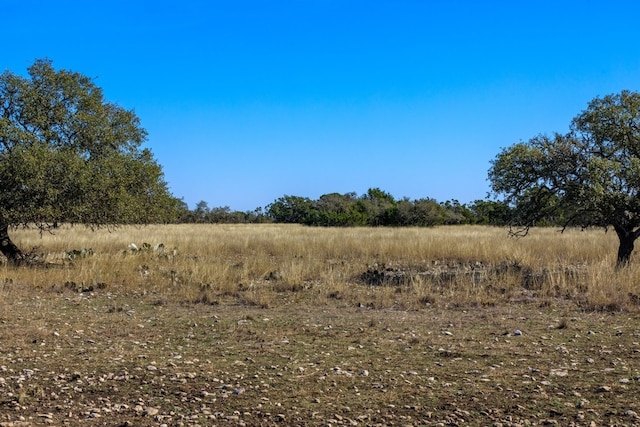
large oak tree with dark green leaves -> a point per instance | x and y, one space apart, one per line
68 155
588 177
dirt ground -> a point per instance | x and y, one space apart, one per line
96 358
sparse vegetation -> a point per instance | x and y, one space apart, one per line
285 324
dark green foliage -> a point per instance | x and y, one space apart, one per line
588 177
421 212
490 212
67 155
293 210
377 207
338 210
202 214
374 208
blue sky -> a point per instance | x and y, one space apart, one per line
246 101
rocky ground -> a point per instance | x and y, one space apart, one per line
97 358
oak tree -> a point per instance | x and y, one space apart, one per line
68 155
587 177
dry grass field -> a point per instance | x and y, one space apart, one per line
246 325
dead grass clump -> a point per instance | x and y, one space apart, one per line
610 289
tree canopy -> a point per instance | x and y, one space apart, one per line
587 177
68 155
379 208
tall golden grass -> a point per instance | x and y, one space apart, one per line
267 265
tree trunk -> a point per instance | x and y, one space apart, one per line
8 248
627 239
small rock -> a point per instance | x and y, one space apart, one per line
517 332
151 412
582 403
603 389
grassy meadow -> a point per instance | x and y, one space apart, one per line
290 325
269 265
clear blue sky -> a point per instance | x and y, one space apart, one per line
246 101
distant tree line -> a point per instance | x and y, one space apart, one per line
203 214
374 208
